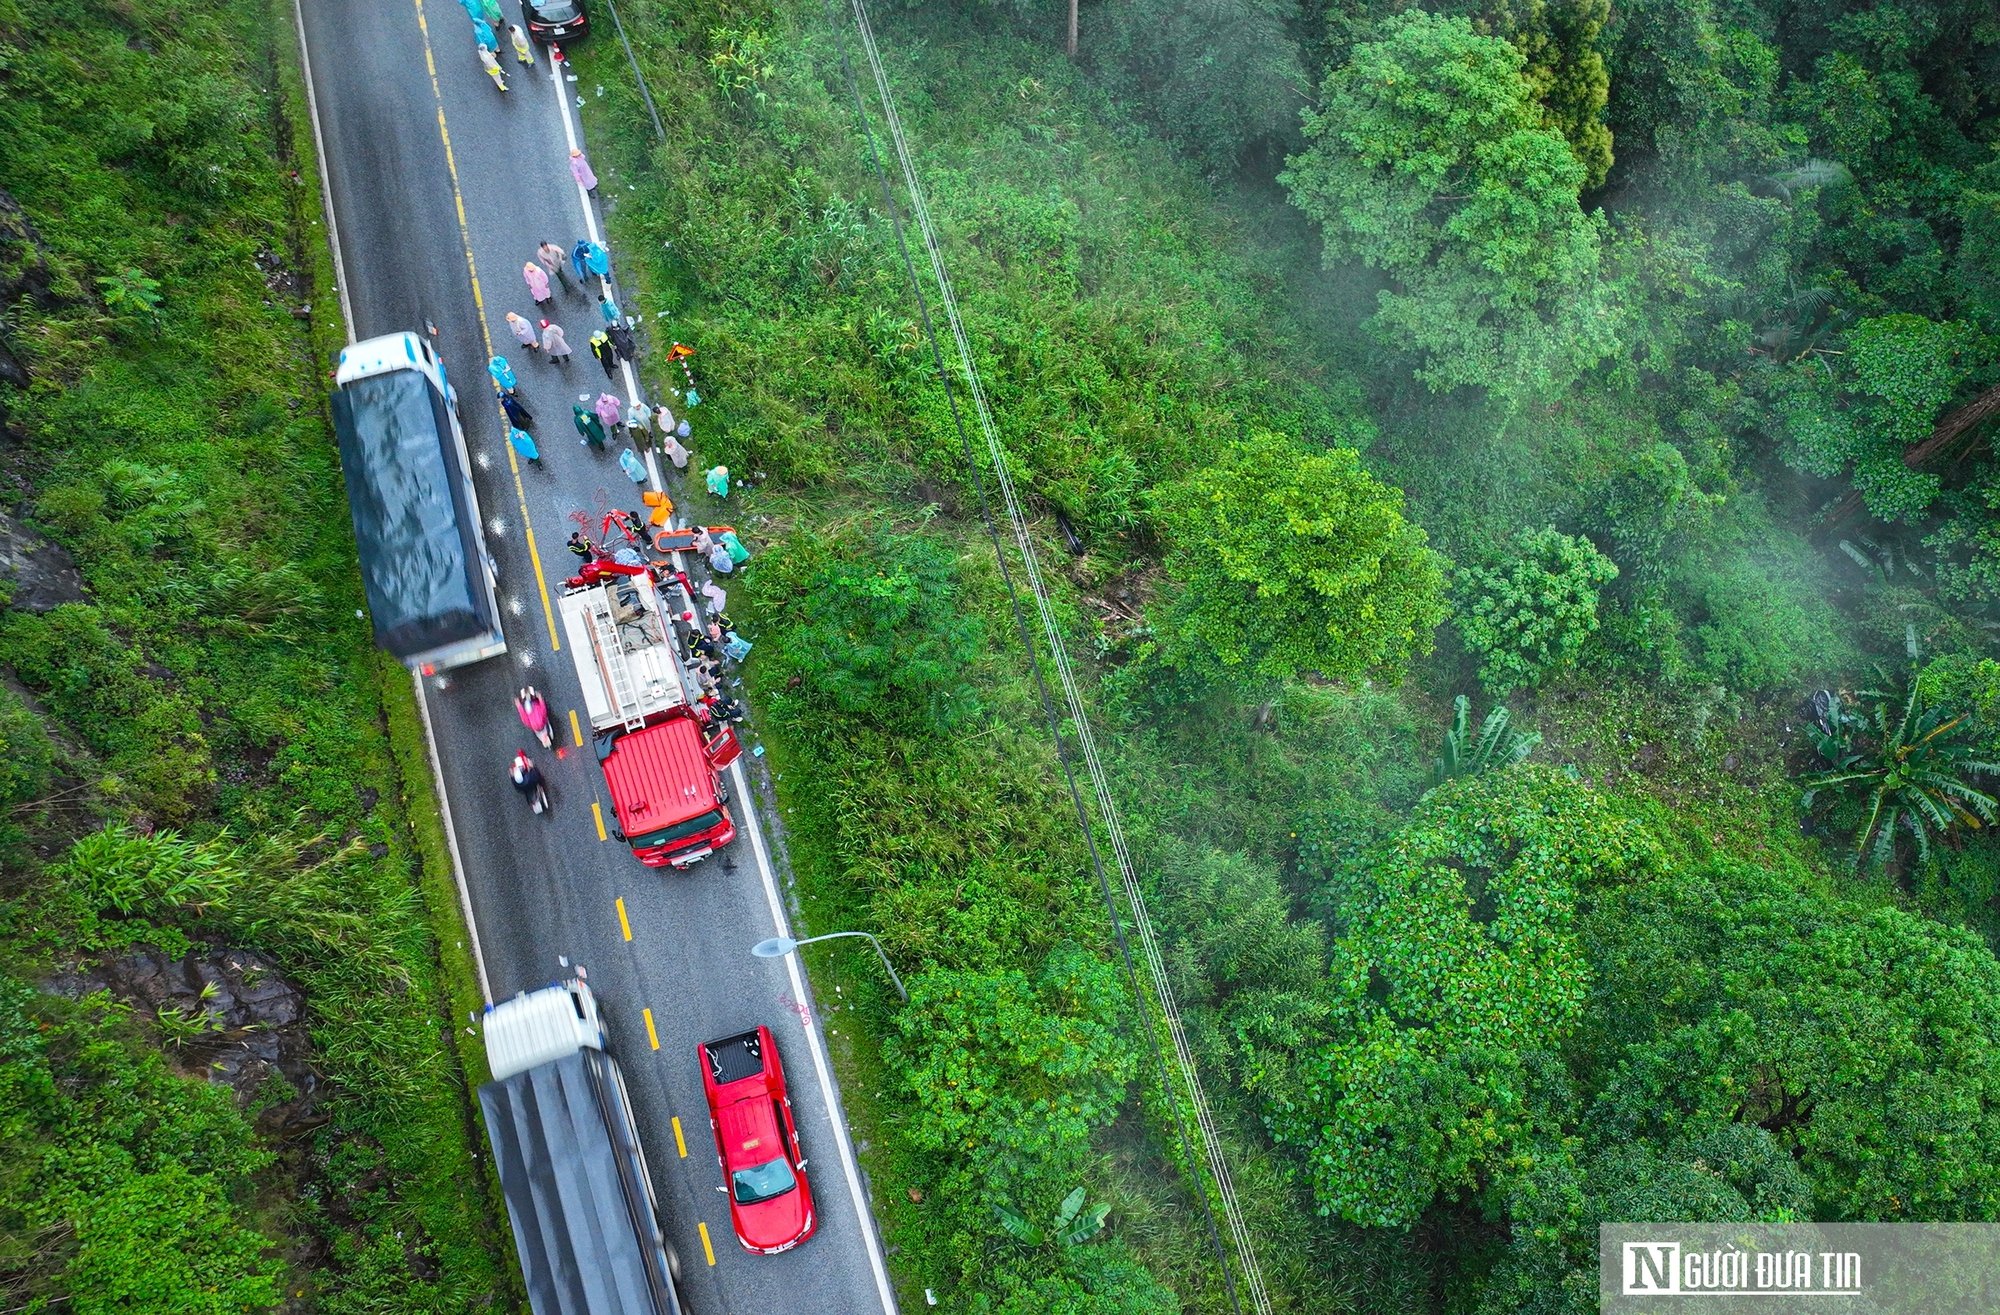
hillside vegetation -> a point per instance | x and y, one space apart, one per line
229 1079
1627 372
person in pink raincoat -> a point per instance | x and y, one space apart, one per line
538 282
608 410
581 168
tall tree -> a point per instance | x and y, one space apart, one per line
1429 161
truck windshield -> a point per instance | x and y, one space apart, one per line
694 826
762 1182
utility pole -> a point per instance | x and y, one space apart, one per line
1072 29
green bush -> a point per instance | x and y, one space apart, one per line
1457 958
1530 615
122 1184
1292 561
869 622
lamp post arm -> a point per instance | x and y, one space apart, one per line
879 953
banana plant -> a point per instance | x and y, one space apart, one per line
1073 1225
1496 747
1908 761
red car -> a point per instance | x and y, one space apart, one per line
770 1202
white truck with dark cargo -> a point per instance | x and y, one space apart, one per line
565 1142
424 564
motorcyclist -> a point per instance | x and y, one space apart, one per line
527 778
534 713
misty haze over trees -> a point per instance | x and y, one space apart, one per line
1520 481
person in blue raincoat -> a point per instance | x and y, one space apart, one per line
482 33
524 443
579 258
595 258
503 374
633 466
718 481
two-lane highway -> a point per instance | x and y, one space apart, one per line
440 188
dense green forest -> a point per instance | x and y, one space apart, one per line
1627 372
1630 373
227 1069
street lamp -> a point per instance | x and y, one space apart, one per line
779 946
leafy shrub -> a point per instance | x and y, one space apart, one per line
869 622
1011 1075
1900 372
122 1176
1295 561
1214 75
1529 616
1858 1037
1757 600
1908 762
1456 958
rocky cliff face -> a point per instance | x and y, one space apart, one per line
25 271
231 1017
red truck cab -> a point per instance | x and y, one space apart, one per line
671 806
661 764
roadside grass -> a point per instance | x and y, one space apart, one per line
219 677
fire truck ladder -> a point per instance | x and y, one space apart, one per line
611 663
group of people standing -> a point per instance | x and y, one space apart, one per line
486 18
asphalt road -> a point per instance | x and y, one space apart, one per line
548 889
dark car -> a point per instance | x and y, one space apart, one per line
770 1203
559 21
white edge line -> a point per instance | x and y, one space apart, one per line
556 76
835 1113
451 840
325 183
417 681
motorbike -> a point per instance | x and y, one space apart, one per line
527 778
534 713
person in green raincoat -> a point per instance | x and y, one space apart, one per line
588 425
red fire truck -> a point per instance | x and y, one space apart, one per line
661 764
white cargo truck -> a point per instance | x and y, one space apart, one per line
566 1144
424 564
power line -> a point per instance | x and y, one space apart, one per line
1072 699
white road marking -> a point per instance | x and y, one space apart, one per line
451 840
590 228
820 1069
325 183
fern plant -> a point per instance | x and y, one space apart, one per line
1496 747
1908 763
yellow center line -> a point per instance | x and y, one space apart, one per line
485 334
597 816
651 1035
624 923
680 1142
707 1250
575 729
